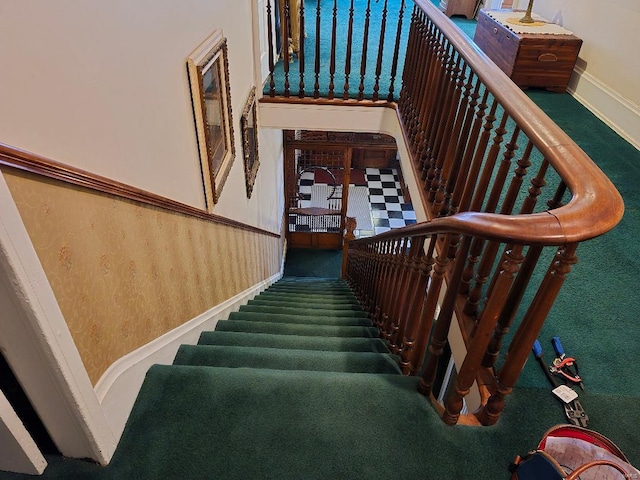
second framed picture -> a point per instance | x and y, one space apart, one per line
249 125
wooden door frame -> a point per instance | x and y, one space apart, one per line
315 239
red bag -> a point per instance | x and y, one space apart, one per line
569 452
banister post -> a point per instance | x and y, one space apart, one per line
350 226
486 324
528 332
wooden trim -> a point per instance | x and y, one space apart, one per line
19 159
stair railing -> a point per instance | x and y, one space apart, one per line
318 52
508 195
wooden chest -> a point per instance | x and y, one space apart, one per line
531 60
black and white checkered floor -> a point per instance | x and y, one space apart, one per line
379 206
388 208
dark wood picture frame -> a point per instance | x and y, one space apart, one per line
208 69
249 125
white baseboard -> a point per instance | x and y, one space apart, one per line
608 105
118 387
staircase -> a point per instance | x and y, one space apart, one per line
295 385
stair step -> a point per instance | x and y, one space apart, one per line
306 342
294 424
314 311
309 297
301 319
301 287
295 329
277 359
311 303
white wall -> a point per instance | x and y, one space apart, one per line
103 86
608 69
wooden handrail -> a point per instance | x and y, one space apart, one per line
39 165
475 257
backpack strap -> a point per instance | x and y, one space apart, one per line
576 473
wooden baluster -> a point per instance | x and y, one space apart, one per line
422 97
516 181
272 83
537 184
365 44
286 24
412 71
400 298
374 251
449 131
332 62
368 280
501 175
392 290
396 50
383 27
426 94
301 51
385 282
416 339
441 330
463 153
410 295
316 85
512 304
476 350
347 64
418 286
409 70
490 252
434 113
556 201
476 248
528 331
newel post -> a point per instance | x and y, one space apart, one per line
350 226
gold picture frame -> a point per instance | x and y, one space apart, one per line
208 69
249 124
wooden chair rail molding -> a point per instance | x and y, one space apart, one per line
15 158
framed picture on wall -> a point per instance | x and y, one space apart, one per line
208 69
249 124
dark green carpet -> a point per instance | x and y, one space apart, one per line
304 262
248 423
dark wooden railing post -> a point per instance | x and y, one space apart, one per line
286 24
350 226
476 350
272 83
396 50
302 33
383 26
365 44
347 64
316 85
528 331
332 62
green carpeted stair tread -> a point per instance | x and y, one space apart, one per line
289 359
295 329
322 293
302 319
310 303
307 342
313 311
304 296
288 423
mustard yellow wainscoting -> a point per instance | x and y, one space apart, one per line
125 273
